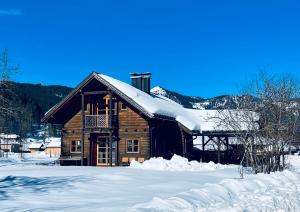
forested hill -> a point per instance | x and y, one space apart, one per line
31 101
43 96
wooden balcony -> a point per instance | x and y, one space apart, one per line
99 121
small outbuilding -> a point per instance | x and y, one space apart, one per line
36 148
53 147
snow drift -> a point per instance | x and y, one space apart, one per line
177 163
262 192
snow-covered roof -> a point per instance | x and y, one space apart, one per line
192 119
224 120
155 104
35 145
54 142
9 136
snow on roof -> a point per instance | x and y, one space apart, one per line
35 145
158 105
54 142
155 105
8 136
213 120
194 120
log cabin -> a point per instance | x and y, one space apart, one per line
107 122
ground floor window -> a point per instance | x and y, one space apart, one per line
133 146
76 146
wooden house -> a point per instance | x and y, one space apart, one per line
106 122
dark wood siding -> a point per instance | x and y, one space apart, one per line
73 131
132 126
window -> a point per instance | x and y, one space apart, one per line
133 146
123 106
76 146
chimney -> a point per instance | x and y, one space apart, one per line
141 81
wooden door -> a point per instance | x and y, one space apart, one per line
103 152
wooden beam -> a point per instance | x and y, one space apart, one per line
210 138
183 140
83 126
227 143
95 92
110 127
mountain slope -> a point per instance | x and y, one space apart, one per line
219 102
186 101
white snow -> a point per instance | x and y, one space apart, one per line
28 187
8 136
34 145
53 142
211 120
177 163
19 159
200 105
157 90
158 104
153 104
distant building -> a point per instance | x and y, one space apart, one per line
35 148
53 147
9 143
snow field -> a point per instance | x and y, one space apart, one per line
275 192
156 185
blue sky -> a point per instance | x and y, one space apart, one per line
203 48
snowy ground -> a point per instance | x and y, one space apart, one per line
157 185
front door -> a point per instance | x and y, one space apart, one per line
103 151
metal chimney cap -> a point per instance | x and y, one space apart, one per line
137 75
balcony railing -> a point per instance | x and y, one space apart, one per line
98 121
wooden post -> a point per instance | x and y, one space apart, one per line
106 112
219 149
183 143
227 148
227 143
110 128
83 126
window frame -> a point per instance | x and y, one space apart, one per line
76 146
133 146
122 104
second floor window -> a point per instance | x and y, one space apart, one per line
76 146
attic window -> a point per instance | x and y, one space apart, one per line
123 106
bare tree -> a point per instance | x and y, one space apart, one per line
6 71
265 122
